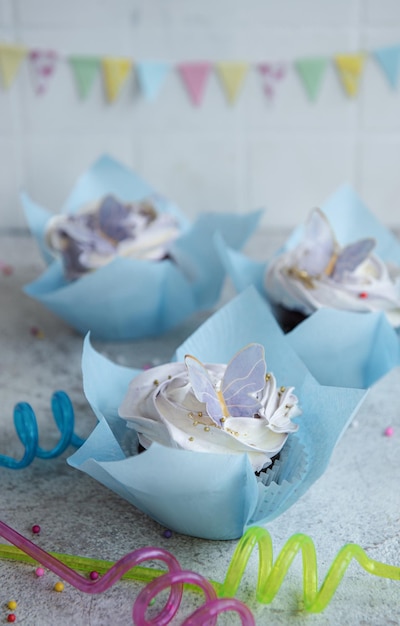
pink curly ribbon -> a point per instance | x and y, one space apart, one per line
174 579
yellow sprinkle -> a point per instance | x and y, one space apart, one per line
206 428
59 586
12 605
200 414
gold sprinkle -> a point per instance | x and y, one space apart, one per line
191 438
195 423
223 419
282 389
267 377
207 429
200 413
190 414
169 376
155 382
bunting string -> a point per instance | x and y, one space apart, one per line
231 75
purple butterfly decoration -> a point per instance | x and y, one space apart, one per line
237 394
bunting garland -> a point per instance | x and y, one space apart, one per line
151 75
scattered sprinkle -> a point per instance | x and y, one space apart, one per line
167 534
12 605
389 431
11 617
36 332
36 529
93 575
39 571
5 268
59 586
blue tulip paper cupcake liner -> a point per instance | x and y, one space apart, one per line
133 298
218 496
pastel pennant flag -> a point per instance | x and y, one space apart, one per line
232 76
10 60
194 76
311 71
43 64
115 73
350 67
389 61
85 70
151 76
271 74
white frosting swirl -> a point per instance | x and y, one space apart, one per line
320 273
161 405
96 235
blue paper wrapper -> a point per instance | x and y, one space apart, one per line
217 496
350 220
131 298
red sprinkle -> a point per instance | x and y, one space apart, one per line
363 294
11 617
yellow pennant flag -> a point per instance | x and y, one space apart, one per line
10 60
115 73
232 76
350 67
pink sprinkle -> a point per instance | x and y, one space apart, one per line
389 431
39 571
93 575
36 529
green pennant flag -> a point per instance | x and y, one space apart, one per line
85 70
311 71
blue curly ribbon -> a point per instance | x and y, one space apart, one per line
27 430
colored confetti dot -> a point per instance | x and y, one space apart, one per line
59 587
36 529
36 332
39 571
12 605
389 431
167 534
93 575
11 617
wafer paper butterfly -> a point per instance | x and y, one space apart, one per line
319 252
236 395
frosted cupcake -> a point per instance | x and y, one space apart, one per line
319 272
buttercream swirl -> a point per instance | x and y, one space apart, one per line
318 272
162 405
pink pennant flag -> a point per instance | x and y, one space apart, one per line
43 64
271 75
194 76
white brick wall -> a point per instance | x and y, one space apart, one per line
286 155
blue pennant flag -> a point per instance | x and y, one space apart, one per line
151 76
389 60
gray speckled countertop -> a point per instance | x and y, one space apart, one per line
356 500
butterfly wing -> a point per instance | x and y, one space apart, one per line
318 245
244 378
203 387
352 256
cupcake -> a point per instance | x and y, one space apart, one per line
319 272
209 444
125 263
236 408
342 258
